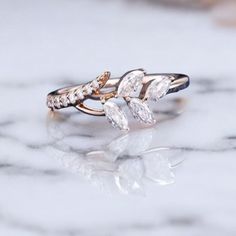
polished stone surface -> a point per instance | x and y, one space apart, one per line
71 174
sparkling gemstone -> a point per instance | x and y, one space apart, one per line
88 89
95 85
79 94
141 111
64 100
50 102
115 116
72 97
130 83
57 102
157 89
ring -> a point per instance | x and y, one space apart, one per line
135 87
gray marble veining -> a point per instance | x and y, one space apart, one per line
68 167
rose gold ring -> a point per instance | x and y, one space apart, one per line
136 87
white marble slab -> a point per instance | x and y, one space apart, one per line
75 175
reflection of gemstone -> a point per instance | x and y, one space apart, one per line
158 168
139 142
141 111
130 83
115 115
157 89
130 174
117 147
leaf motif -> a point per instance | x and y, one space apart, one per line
141 111
130 83
158 89
115 116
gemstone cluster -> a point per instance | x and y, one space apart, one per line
73 96
136 88
139 108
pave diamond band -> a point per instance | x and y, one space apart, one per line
136 87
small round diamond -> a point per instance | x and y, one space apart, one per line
57 102
88 89
95 84
72 97
64 100
50 102
79 94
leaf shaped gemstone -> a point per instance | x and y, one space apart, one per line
130 83
115 116
158 89
141 111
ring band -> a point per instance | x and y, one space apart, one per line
136 87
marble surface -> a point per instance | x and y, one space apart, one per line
69 174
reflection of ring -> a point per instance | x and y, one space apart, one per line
125 163
135 87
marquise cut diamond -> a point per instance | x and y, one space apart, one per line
158 89
141 111
130 83
115 116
